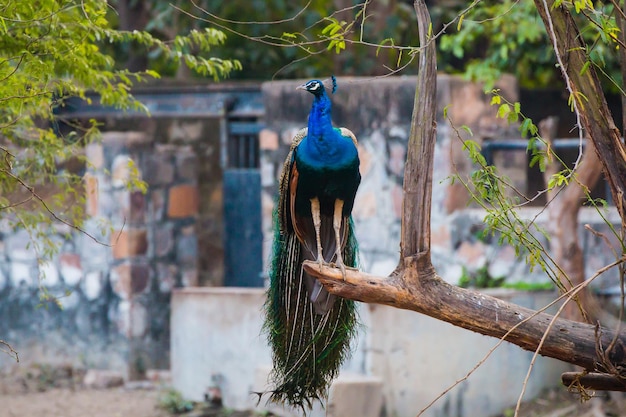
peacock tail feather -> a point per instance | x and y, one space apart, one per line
307 348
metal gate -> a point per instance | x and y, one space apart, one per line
243 263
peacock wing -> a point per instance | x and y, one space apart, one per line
348 133
286 187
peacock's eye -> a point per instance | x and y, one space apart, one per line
313 85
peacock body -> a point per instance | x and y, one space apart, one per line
309 330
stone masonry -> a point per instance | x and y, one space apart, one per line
114 289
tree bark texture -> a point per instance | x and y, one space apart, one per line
418 169
415 285
595 381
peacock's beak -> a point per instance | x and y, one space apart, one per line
301 87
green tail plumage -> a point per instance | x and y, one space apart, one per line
307 348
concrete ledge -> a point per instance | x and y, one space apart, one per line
216 340
401 361
355 395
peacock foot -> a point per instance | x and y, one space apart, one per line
339 264
320 261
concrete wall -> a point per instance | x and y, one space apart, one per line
217 342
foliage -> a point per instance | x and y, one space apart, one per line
508 36
173 402
529 286
280 39
481 278
501 201
51 51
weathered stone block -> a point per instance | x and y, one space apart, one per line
365 205
473 254
129 242
91 194
138 321
48 273
71 268
120 198
22 274
120 170
182 201
355 395
3 278
95 155
166 276
163 240
187 164
158 168
440 236
268 140
156 205
137 207
187 247
92 285
189 277
129 279
186 131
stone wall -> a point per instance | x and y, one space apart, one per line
114 285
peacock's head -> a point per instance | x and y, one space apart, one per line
315 87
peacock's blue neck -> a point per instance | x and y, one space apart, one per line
320 125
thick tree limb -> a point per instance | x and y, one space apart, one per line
415 285
418 288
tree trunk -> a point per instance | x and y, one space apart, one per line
587 92
418 169
134 15
563 207
621 23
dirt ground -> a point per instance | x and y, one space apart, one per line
48 392
64 402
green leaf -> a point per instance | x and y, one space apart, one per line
467 129
585 67
503 111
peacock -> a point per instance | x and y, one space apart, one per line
309 330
